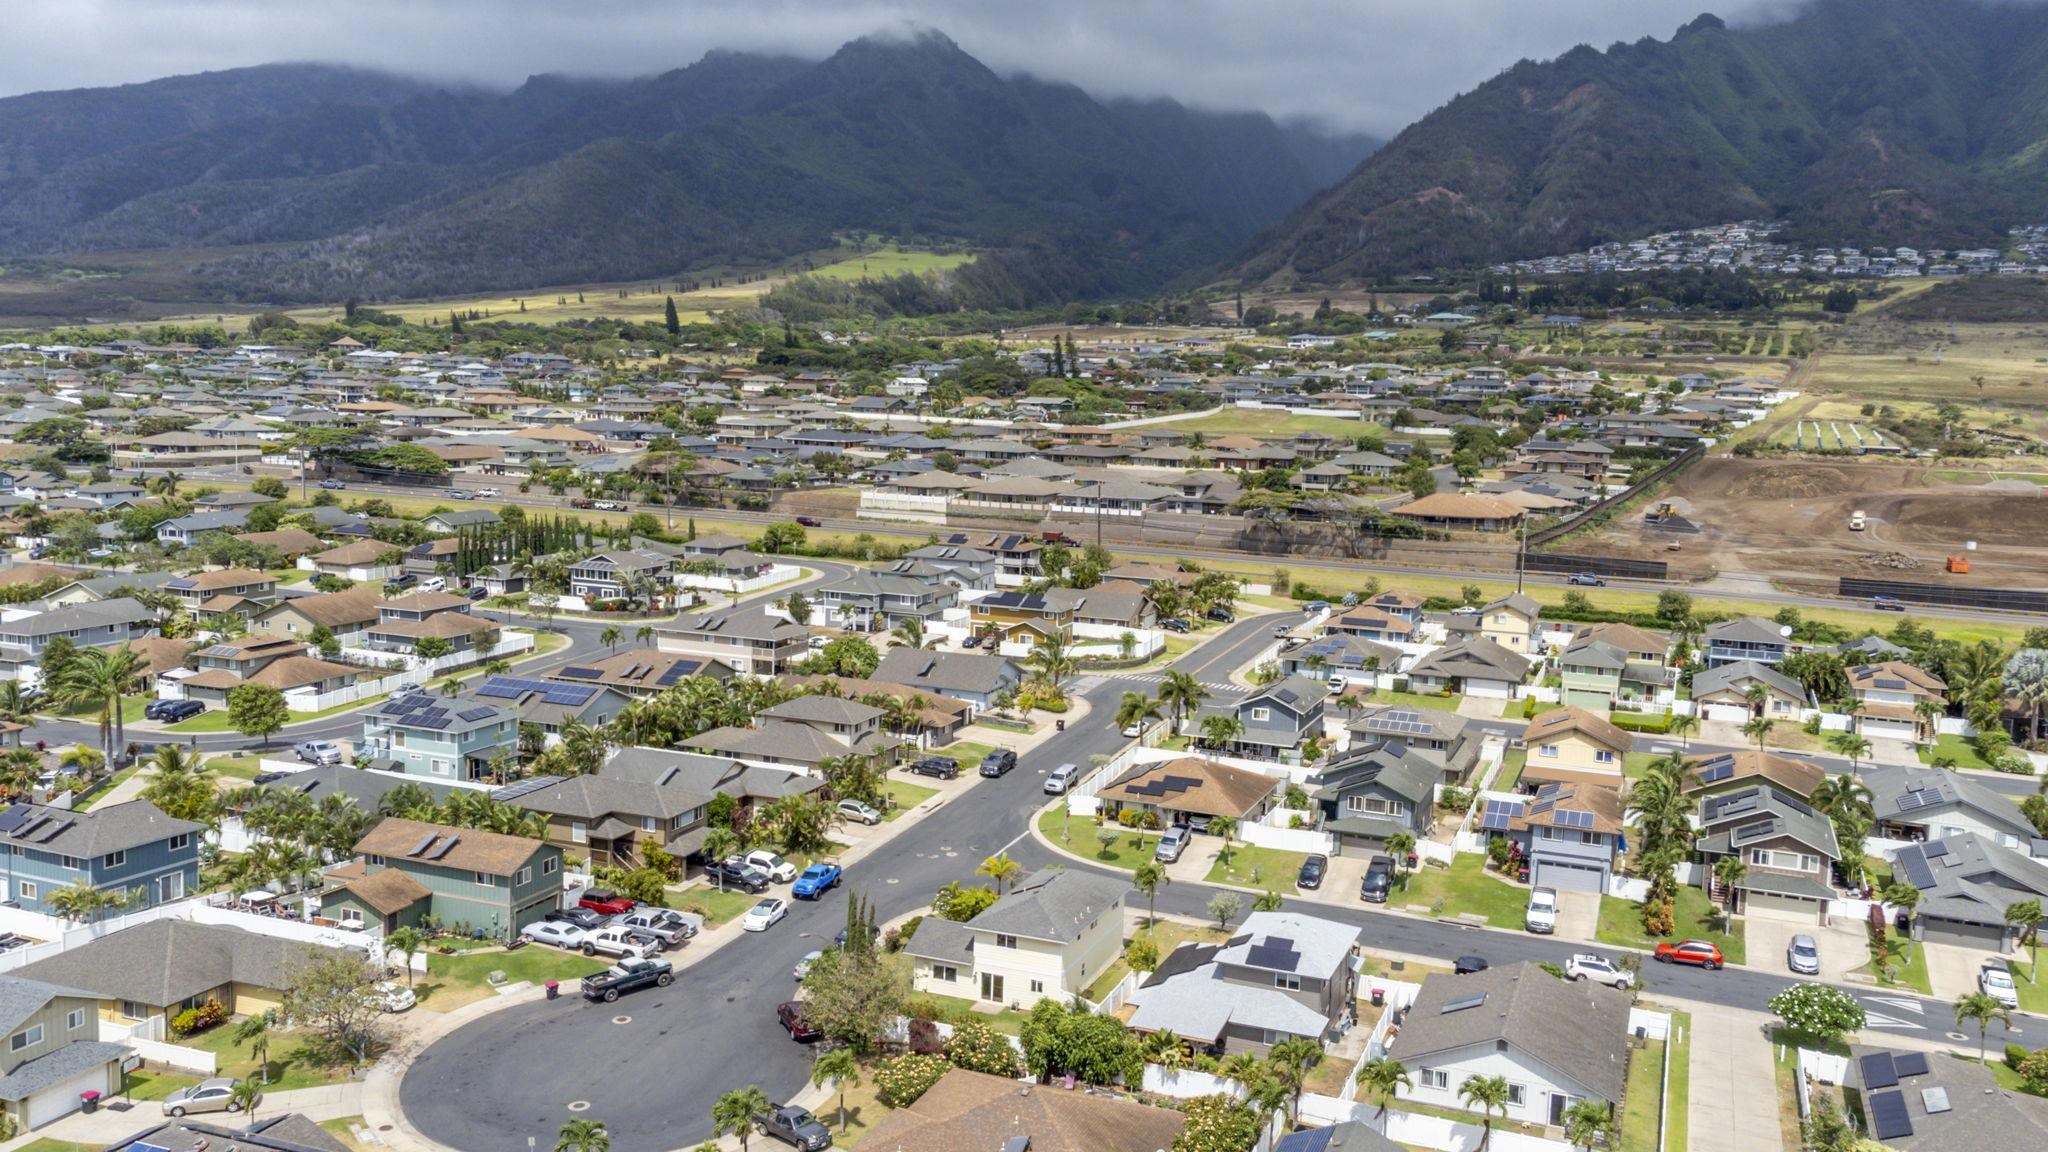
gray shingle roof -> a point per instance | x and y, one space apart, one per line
1053 904
59 1066
22 997
1579 1030
166 961
96 832
947 941
1710 680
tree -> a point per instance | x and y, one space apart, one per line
244 1097
611 636
787 536
255 1032
1050 659
1001 869
961 904
583 1136
1729 872
978 1047
1291 1059
1400 845
1135 710
845 656
1854 747
738 1113
2025 680
1982 1010
80 902
98 678
669 319
1683 725
431 647
1383 1076
337 996
1488 1093
1673 606
850 993
1588 1122
1758 729
1149 877
257 710
1822 1011
1223 826
1224 907
841 1070
1182 693
408 941
1219 731
2025 915
1217 1123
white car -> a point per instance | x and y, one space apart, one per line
394 997
1994 981
1541 916
803 966
623 942
779 870
487 493
763 916
556 932
1133 731
1599 969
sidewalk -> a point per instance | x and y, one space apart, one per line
1733 1084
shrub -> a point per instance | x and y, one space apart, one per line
1641 721
2015 1055
899 1082
198 1019
1659 919
1143 955
979 1048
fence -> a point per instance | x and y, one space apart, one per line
1188 1083
2007 599
1598 565
1565 527
1421 1131
417 671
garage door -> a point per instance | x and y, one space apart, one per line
1985 936
1350 844
1889 729
1487 689
1569 877
1778 906
1726 714
60 1100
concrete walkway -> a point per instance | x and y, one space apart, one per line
1733 1090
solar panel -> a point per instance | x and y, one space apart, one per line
1917 799
14 818
142 1146
1896 685
1460 1003
443 850
1275 953
438 721
676 671
1935 850
53 833
582 673
1909 1063
1888 1118
1756 828
476 713
423 845
1878 1071
1916 870
1570 819
1934 1100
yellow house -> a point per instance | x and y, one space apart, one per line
1511 622
1573 746
1022 617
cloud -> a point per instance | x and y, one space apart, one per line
1374 65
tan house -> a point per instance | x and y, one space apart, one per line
239 590
974 1110
347 614
53 1051
1511 622
291 543
1889 698
359 560
1051 936
1729 771
1189 786
1574 746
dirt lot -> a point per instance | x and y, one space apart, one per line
1790 518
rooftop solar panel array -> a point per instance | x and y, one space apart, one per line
1567 818
1717 769
1499 813
1274 953
1888 1118
1909 1063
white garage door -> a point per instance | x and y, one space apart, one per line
1888 729
1488 689
1727 714
1780 907
60 1100
1569 877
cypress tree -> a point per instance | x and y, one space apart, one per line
671 320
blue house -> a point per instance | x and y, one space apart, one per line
125 848
421 734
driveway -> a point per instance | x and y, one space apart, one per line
1952 969
1841 947
1578 916
1733 1084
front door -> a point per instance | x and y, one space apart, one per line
992 987
1558 1103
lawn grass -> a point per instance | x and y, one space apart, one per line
1909 971
1679 1054
131 710
1511 767
1256 867
904 796
863 1109
1269 422
1166 935
340 1128
2033 996
1956 747
1643 1107
295 1059
1463 888
960 1010
1696 918
240 766
145 1084
120 778
1414 700
216 719
966 754
50 1144
714 905
452 981
1636 765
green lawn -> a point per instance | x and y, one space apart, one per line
240 766
294 1060
1257 867
1415 699
966 754
339 1126
1167 935
1680 1056
2033 996
714 905
1696 918
119 778
905 796
1464 887
958 1010
1643 1106
1956 747
131 710
1636 765
147 1085
1908 971
452 981
46 1144
216 720
1511 767
1130 849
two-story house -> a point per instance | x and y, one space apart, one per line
1511 622
1446 739
1190 787
94 624
278 662
1108 609
1574 746
652 796
1916 803
967 568
1474 666
1788 848
402 623
1604 664
346 615
371 561
805 745
1724 692
552 705
1889 697
617 575
973 677
182 531
1281 976
1340 659
639 672
1373 790
1051 935
1748 638
1272 722
1568 836
421 734
1721 772
865 601
1388 618
130 849
54 1052
1966 883
1021 617
746 639
464 878
242 591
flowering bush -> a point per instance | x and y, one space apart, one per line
1819 1011
1217 1124
979 1048
198 1019
899 1082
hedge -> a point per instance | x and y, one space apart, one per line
1641 721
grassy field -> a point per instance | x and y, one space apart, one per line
1130 848
1910 971
2011 360
1679 1053
294 1062
1957 748
1697 918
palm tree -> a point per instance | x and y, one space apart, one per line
1182 693
737 1111
1148 878
1588 1122
1001 869
255 1032
644 635
80 902
1658 800
1219 731
909 632
1683 725
1983 1010
1244 1067
1291 1060
1223 826
1756 696
1729 872
839 1069
1385 1077
1928 712
1050 659
1399 845
1758 729
1854 747
583 1136
407 942
1166 1049
1135 710
718 844
244 1097
611 636
100 678
1488 1093
2025 915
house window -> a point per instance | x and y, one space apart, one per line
1433 1078
1261 714
648 824
1285 980
26 1038
114 859
352 916
579 832
1006 941
170 887
1038 987
946 973
1515 1095
398 739
130 1010
525 876
441 767
376 860
74 1020
181 841
28 890
70 863
1603 757
487 880
549 866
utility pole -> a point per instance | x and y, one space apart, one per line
1522 554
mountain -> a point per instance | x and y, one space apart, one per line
1887 122
347 183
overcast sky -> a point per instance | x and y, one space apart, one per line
1364 64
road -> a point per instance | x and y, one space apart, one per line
513 1074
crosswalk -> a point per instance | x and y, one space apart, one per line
1095 679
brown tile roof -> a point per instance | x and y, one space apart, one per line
299 671
475 850
1864 678
445 625
970 1111
427 602
1564 721
289 541
1458 506
160 653
387 891
227 578
213 678
1192 784
357 605
359 553
1800 777
1603 804
1626 637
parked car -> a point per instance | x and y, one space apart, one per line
1176 624
973 641
1802 955
1466 965
393 996
938 767
604 902
664 924
174 711
568 937
154 710
1379 880
213 1095
839 937
1313 869
1465 610
1134 730
803 966
790 1014
779 870
401 582
765 915
733 872
1541 915
1172 844
1220 615
456 494
617 941
582 918
810 521
1283 630
1704 953
794 1125
627 975
322 753
997 762
1315 606
816 880
1585 580
477 592
1599 969
1062 778
1995 981
859 811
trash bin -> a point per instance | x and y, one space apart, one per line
554 989
1379 997
1059 725
89 1102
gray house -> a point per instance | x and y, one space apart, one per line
1914 803
1567 834
1966 882
1282 975
126 848
876 601
1273 721
93 624
967 676
1374 791
185 529
1789 850
1750 638
53 1051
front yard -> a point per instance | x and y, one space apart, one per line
298 1058
1955 748
904 796
1910 971
2033 996
1255 867
1463 888
1694 917
1078 834
452 981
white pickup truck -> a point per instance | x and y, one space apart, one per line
617 941
1541 916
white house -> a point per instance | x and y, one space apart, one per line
1052 935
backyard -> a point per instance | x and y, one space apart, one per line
1643 1106
1694 918
1166 935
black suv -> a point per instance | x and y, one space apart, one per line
1220 615
998 762
1379 878
172 711
736 873
938 766
1311 874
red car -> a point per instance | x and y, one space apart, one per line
1699 952
810 521
790 1014
605 903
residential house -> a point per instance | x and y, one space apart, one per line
1107 609
970 676
1966 883
241 591
640 672
1723 693
1511 622
181 531
346 615
1457 511
402 623
272 661
803 735
465 878
90 625
1446 739
1724 772
619 575
1574 746
421 734
1606 663
1890 698
1389 618
550 705
292 544
1281 976
967 568
1915 803
124 848
363 561
1051 935
1343 1136
1751 638
1272 722
1475 666
928 719
1789 850
1567 836
54 1053
1022 617
973 1110
1340 658
279 1132
450 521
746 639
1917 1101
650 796
1176 791
1373 790
1554 1041
868 601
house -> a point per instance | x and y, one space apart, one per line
450 521
283 1132
1723 692
1966 883
421 734
646 796
1573 745
974 1110
242 591
346 615
551 705
1511 622
1922 1102
120 848
1553 1041
1372 791
1915 803
371 561
181 531
1789 849
967 568
1890 697
640 672
1605 663
1281 975
1750 638
91 625
1022 617
1567 835
1474 666
1389 618
1051 935
274 662
1344 1136
1190 786
53 1052
1108 608
145 974
746 639
402 623
970 676
802 745
292 544
1728 771
1272 722
868 601
1445 739
619 575
1456 510
485 881
928 719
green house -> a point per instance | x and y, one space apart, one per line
463 878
